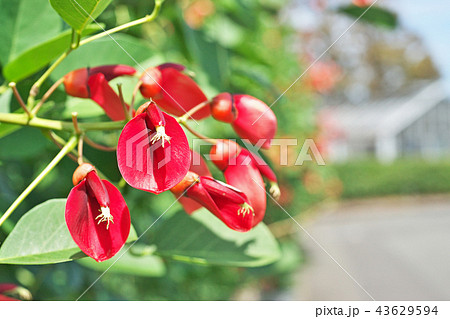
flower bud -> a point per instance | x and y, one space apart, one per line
187 181
222 108
151 83
173 91
75 83
81 172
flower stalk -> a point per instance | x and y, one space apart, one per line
77 42
70 145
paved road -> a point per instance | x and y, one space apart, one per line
396 249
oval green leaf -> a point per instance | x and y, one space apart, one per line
40 55
126 263
105 51
41 237
202 238
24 24
79 13
375 15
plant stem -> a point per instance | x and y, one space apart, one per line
203 137
76 42
147 18
7 226
136 89
60 143
12 85
47 95
71 144
126 109
22 119
37 85
98 146
192 111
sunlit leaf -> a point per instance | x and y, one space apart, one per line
24 24
41 237
40 55
202 238
124 262
79 13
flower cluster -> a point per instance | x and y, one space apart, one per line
153 154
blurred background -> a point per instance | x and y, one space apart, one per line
373 94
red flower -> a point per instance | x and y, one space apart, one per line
227 203
96 215
7 290
244 170
251 118
93 83
362 3
175 92
153 151
323 76
199 167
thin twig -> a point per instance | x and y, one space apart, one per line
98 146
75 123
122 101
80 151
55 141
68 147
12 85
203 137
47 95
136 89
194 110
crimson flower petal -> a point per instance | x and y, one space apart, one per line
93 238
198 166
76 81
175 92
245 176
6 298
263 167
103 94
250 109
148 166
220 205
6 287
112 71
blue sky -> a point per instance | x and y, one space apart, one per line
430 19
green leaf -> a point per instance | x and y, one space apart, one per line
374 15
105 51
79 13
40 55
41 237
213 58
126 263
31 144
25 23
202 238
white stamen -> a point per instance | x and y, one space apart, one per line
246 208
275 190
160 135
105 216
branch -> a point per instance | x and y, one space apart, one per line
147 18
71 144
22 119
